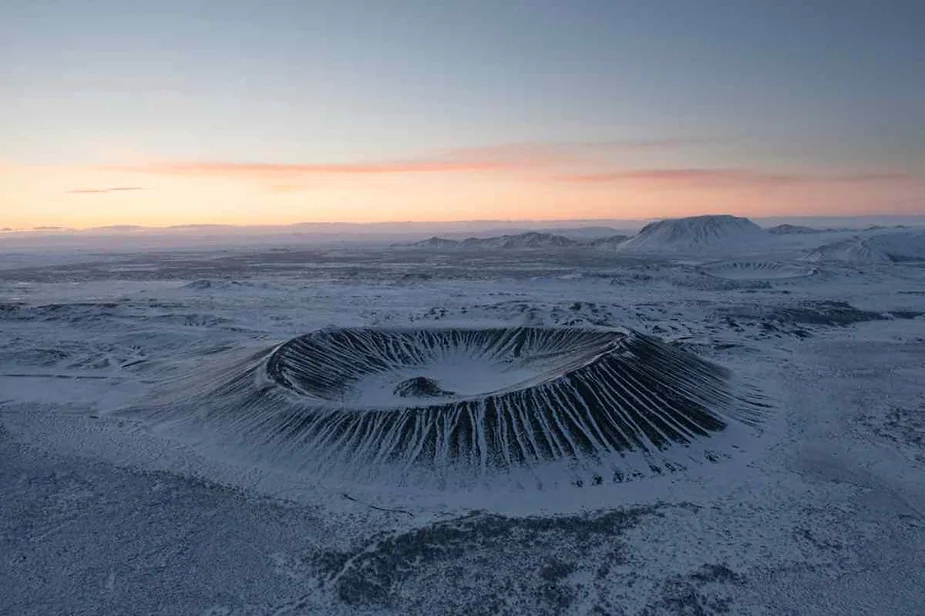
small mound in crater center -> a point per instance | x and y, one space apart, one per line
420 386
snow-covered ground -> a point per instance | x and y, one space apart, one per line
818 508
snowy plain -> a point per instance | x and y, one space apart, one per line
820 509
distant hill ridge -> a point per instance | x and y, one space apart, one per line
794 230
530 239
710 235
667 236
608 242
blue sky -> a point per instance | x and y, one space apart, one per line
796 87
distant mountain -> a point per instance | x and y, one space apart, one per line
531 239
854 250
205 227
878 249
116 229
846 223
438 243
608 242
794 230
696 234
583 234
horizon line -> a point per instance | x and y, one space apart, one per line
503 221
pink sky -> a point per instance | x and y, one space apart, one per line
494 182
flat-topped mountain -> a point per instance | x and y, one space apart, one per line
695 234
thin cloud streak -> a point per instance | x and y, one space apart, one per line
99 191
279 170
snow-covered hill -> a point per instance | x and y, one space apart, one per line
877 249
697 234
855 250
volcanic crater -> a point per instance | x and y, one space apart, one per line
417 405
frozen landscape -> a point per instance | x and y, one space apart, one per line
701 416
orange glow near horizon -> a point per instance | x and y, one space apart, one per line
490 187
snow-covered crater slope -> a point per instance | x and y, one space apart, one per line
435 407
